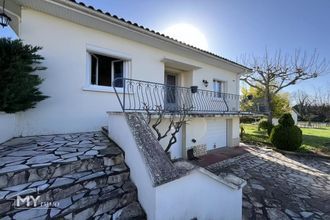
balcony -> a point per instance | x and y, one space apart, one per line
138 95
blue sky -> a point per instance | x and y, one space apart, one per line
236 27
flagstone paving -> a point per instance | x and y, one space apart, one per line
280 186
72 176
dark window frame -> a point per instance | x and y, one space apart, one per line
103 70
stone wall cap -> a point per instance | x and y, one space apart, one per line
160 167
229 180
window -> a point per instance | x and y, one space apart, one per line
106 70
217 88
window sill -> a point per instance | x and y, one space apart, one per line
107 89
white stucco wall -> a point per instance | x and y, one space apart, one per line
7 126
176 149
236 131
205 130
198 196
71 108
294 116
119 132
187 78
212 73
275 121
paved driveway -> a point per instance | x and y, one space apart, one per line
281 187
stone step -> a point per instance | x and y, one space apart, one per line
29 159
73 176
105 130
84 188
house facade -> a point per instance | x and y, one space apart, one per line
103 70
86 51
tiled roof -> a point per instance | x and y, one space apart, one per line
154 32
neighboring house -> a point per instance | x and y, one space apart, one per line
87 53
294 115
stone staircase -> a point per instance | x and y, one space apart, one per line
72 176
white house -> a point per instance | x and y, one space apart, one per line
88 52
85 50
294 115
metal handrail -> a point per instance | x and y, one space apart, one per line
139 94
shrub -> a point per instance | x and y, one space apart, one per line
286 120
241 134
264 125
269 129
247 120
286 136
18 86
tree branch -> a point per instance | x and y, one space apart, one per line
273 73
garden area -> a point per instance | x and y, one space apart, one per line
314 140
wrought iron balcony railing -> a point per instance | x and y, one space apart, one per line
136 95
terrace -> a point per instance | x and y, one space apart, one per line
138 96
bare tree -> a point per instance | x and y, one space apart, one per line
314 105
272 73
160 113
321 97
177 126
321 104
174 126
303 101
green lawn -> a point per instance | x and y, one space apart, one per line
314 139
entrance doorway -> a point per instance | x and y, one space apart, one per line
170 92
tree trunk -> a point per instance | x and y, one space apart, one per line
270 117
270 112
268 103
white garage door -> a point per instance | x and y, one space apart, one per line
216 133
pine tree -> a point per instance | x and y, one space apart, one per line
18 85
